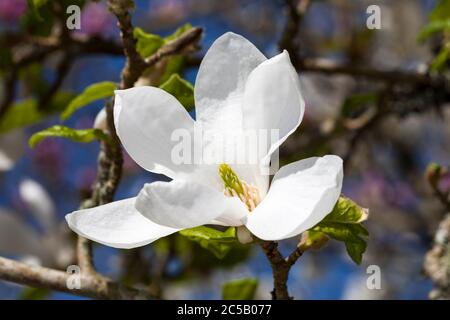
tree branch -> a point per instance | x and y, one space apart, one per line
326 66
62 69
436 264
289 41
110 157
175 47
92 286
280 267
134 64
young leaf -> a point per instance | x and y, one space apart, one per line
439 20
356 249
346 211
178 32
432 28
20 114
147 43
90 94
29 293
173 65
354 104
5 57
441 11
27 112
180 89
439 62
35 5
313 240
241 289
344 224
84 135
39 19
218 242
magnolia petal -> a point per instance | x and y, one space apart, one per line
273 102
117 224
221 78
301 195
145 120
181 204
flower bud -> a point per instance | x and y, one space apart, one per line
433 174
244 236
100 121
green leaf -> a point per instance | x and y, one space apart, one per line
35 5
346 211
355 102
5 57
313 240
441 11
147 43
439 20
39 19
90 94
178 32
180 89
356 249
344 224
432 28
174 65
218 242
241 289
440 61
20 114
83 135
26 112
29 293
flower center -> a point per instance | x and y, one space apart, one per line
234 187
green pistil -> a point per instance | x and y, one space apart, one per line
230 179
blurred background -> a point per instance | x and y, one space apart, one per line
388 127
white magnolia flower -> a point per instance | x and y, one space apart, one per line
236 87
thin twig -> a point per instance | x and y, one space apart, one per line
289 41
175 47
62 69
9 87
326 66
294 256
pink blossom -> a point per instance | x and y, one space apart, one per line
12 10
96 19
169 10
444 183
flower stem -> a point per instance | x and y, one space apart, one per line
280 268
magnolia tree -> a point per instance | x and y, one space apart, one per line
224 187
